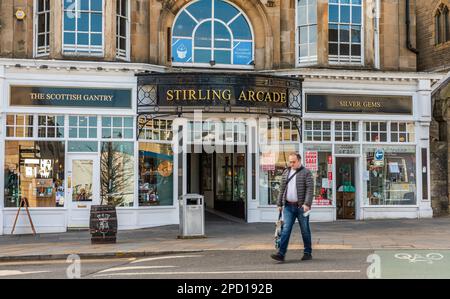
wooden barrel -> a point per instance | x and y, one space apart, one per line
103 224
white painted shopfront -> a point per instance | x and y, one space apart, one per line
66 147
348 143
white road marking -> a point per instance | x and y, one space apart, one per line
134 268
4 273
51 262
164 258
230 272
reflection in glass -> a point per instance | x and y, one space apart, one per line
82 177
392 180
272 164
34 171
117 173
155 174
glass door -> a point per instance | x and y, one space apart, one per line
83 188
231 185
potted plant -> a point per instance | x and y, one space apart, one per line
114 179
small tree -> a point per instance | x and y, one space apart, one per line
115 175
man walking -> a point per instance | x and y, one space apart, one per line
295 200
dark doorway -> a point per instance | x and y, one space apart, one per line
221 179
346 190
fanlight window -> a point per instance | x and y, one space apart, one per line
212 32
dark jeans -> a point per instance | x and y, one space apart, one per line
290 214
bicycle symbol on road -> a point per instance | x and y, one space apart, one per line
430 258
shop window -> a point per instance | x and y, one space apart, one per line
271 167
83 27
156 129
278 131
375 131
317 131
117 127
51 126
391 177
82 146
402 132
42 28
34 170
19 125
82 126
218 131
155 174
117 173
345 31
122 30
319 160
346 131
307 31
212 33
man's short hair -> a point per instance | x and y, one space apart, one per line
299 157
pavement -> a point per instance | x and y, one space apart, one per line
228 234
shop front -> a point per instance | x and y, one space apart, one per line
368 150
68 143
226 137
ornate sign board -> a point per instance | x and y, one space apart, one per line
219 90
323 103
70 97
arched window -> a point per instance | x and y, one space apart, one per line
212 32
442 24
446 24
437 21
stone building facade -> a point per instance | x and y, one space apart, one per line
274 25
357 103
433 42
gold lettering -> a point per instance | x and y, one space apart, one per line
283 98
216 94
260 96
268 97
200 95
226 94
243 96
276 97
192 95
251 96
177 92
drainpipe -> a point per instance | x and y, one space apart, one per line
377 34
408 37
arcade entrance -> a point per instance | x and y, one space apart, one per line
221 179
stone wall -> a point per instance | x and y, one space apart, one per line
273 25
431 56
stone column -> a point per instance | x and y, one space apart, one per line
2 134
22 31
423 106
56 30
284 51
322 32
110 30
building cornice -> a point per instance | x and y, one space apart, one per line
306 73
359 75
69 65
